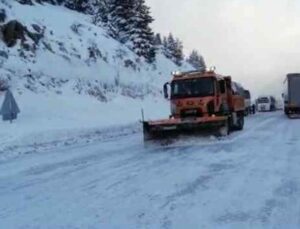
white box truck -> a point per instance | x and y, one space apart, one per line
266 103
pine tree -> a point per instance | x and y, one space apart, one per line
173 49
177 52
165 47
92 6
157 40
30 2
101 12
196 60
120 12
152 51
141 34
25 2
171 46
81 6
168 46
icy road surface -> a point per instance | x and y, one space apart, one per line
249 180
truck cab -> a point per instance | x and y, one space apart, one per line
196 94
204 94
200 101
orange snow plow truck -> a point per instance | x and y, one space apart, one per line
200 101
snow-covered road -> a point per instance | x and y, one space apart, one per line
249 180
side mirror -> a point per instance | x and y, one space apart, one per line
166 94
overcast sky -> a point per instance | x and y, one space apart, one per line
255 41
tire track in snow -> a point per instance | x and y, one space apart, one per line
212 180
264 165
201 184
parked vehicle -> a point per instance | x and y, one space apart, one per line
292 94
200 101
266 103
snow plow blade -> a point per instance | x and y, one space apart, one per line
175 126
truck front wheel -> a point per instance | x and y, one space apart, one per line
224 130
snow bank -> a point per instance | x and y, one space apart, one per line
50 118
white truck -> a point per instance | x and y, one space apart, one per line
266 103
292 94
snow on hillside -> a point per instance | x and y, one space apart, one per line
64 52
76 77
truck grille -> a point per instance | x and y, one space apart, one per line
191 113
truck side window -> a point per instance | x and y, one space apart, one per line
222 86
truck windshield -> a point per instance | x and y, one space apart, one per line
192 88
263 100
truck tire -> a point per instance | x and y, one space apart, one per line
240 122
224 130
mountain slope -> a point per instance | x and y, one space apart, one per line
74 75
72 48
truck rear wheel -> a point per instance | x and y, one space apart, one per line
240 122
286 111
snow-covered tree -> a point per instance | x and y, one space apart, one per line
196 60
173 49
171 45
101 12
141 34
82 6
168 46
128 21
157 40
165 47
25 2
177 52
120 13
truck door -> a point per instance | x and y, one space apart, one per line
229 93
222 98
